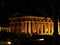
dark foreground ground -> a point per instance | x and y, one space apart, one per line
22 39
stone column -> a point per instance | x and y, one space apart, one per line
29 27
49 28
33 27
25 27
52 27
45 30
41 28
38 27
44 27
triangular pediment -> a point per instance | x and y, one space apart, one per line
32 17
28 17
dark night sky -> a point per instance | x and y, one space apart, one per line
37 7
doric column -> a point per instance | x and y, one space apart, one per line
25 27
49 28
38 27
45 28
41 28
52 27
33 27
29 27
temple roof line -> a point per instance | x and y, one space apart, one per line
29 17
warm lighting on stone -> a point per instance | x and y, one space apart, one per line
33 24
46 30
34 31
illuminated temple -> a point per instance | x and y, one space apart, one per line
32 25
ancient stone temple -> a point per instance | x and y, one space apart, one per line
32 25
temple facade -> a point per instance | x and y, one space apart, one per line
32 25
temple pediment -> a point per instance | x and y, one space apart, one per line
27 17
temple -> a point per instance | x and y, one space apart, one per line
32 25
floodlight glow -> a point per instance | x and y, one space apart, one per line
42 39
9 42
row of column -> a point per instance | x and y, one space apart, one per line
38 27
